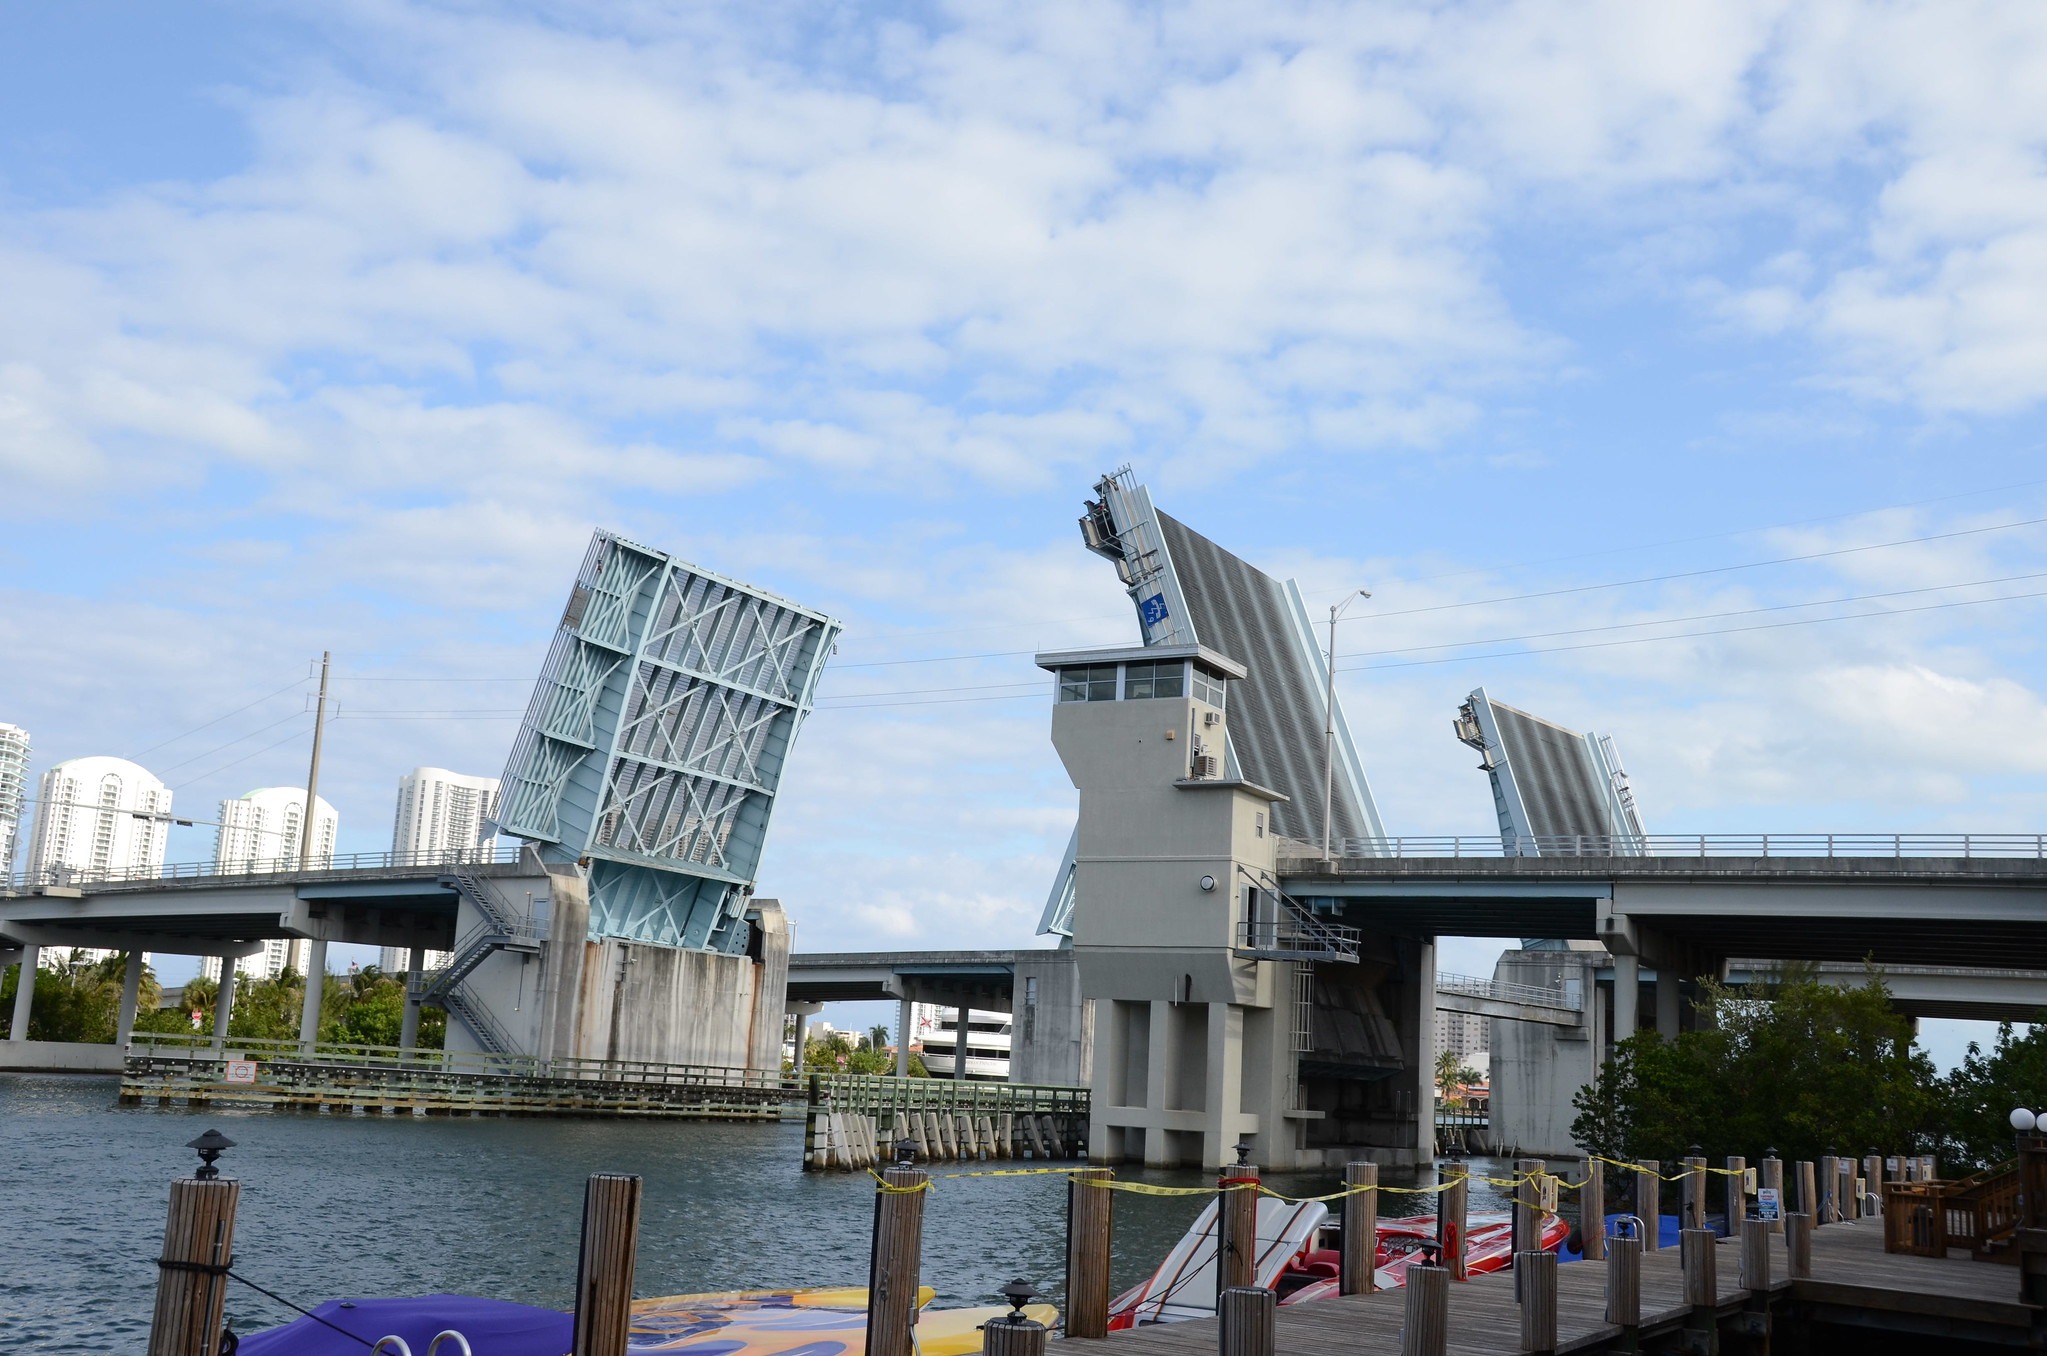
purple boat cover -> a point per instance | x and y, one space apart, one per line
493 1327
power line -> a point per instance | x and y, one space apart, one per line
218 719
1714 569
239 761
239 739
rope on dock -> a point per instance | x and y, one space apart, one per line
236 1275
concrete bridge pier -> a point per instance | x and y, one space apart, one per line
25 992
131 998
224 1002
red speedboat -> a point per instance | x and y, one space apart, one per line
1298 1258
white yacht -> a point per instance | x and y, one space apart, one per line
987 1045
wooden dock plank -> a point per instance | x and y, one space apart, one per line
1850 1268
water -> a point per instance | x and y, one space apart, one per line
337 1206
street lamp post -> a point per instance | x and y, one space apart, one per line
1336 611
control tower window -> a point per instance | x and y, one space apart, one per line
1208 686
1144 681
1095 683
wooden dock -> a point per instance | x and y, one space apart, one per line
1854 1285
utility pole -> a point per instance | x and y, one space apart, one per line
1336 610
306 823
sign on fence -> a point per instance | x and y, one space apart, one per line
241 1071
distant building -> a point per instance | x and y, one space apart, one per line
13 792
1463 1033
440 813
263 830
97 817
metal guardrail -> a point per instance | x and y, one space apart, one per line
22 882
1859 845
1531 994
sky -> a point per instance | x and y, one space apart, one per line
339 327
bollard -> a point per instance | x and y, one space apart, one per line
1592 1212
1755 1256
1089 1228
1829 1211
1426 1331
1694 1215
604 1274
1525 1223
1772 1178
1808 1188
1358 1272
1536 1279
1451 1204
1013 1334
892 1272
1649 1202
191 1278
1872 1193
1798 1246
1737 1194
1247 1320
1845 1204
1624 1283
1237 1224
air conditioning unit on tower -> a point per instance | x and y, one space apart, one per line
1204 767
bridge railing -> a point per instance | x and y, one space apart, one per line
1863 845
440 859
1533 995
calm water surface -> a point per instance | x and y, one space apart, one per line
336 1206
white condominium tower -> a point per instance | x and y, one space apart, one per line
100 816
97 817
13 792
440 814
262 831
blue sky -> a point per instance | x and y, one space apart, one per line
338 327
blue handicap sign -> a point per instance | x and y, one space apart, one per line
1153 609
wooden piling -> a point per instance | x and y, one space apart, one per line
1807 1174
1755 1256
1694 1212
1772 1177
1357 1273
1698 1263
1649 1202
1452 1203
1426 1331
1089 1229
1525 1224
1872 1184
1624 1283
1798 1246
1592 1212
1237 1226
1829 1204
1737 1194
191 1278
893 1268
1248 1313
1014 1335
1845 1204
604 1274
1536 1282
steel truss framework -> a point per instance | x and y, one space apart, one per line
655 740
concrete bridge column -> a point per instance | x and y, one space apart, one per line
1225 1079
224 1002
905 1015
1158 1064
131 998
408 1025
25 992
316 990
1668 995
959 1048
1425 1051
1627 997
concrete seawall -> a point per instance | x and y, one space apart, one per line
58 1057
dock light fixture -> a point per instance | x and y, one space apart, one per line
1019 1293
2023 1120
1243 1153
210 1145
906 1152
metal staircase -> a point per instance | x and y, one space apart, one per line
497 929
1276 926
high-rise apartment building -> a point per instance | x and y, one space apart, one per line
1463 1033
97 817
440 814
13 793
101 816
263 830
278 954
